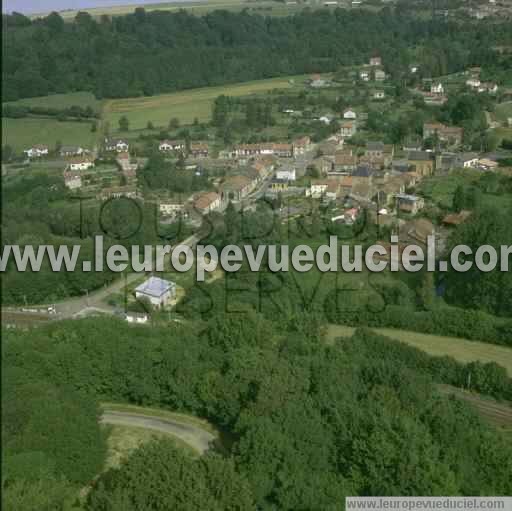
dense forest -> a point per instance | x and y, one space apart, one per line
310 422
146 53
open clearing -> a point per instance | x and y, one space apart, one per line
83 99
23 133
198 435
460 349
504 111
184 105
194 7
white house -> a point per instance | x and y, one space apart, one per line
172 209
80 163
72 179
473 83
380 75
71 150
467 160
158 291
318 188
116 144
172 145
349 114
375 61
36 151
437 88
365 76
136 317
286 173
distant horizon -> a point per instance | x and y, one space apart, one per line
33 7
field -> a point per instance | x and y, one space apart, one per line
22 133
195 7
83 99
460 349
504 111
184 105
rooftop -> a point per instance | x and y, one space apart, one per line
155 287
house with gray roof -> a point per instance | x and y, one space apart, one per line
159 292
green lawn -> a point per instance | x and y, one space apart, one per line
503 111
83 99
23 133
185 105
460 349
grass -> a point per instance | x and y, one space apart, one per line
23 133
194 7
183 105
504 111
83 99
461 350
123 440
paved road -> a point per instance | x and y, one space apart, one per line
196 437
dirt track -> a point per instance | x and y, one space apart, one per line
194 436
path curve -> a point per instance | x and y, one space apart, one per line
196 437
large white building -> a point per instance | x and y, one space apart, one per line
158 291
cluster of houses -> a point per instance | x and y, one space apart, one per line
282 150
195 149
474 82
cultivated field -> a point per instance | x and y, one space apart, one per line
22 133
437 345
184 105
83 99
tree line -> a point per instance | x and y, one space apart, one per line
146 53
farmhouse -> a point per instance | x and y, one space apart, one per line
71 150
81 163
116 144
72 179
349 114
236 188
344 162
375 61
36 151
207 202
301 145
365 76
450 134
172 145
422 162
199 150
466 160
437 88
380 75
318 188
286 173
409 203
171 209
348 129
136 317
158 291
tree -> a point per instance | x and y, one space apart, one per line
149 125
174 123
124 123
